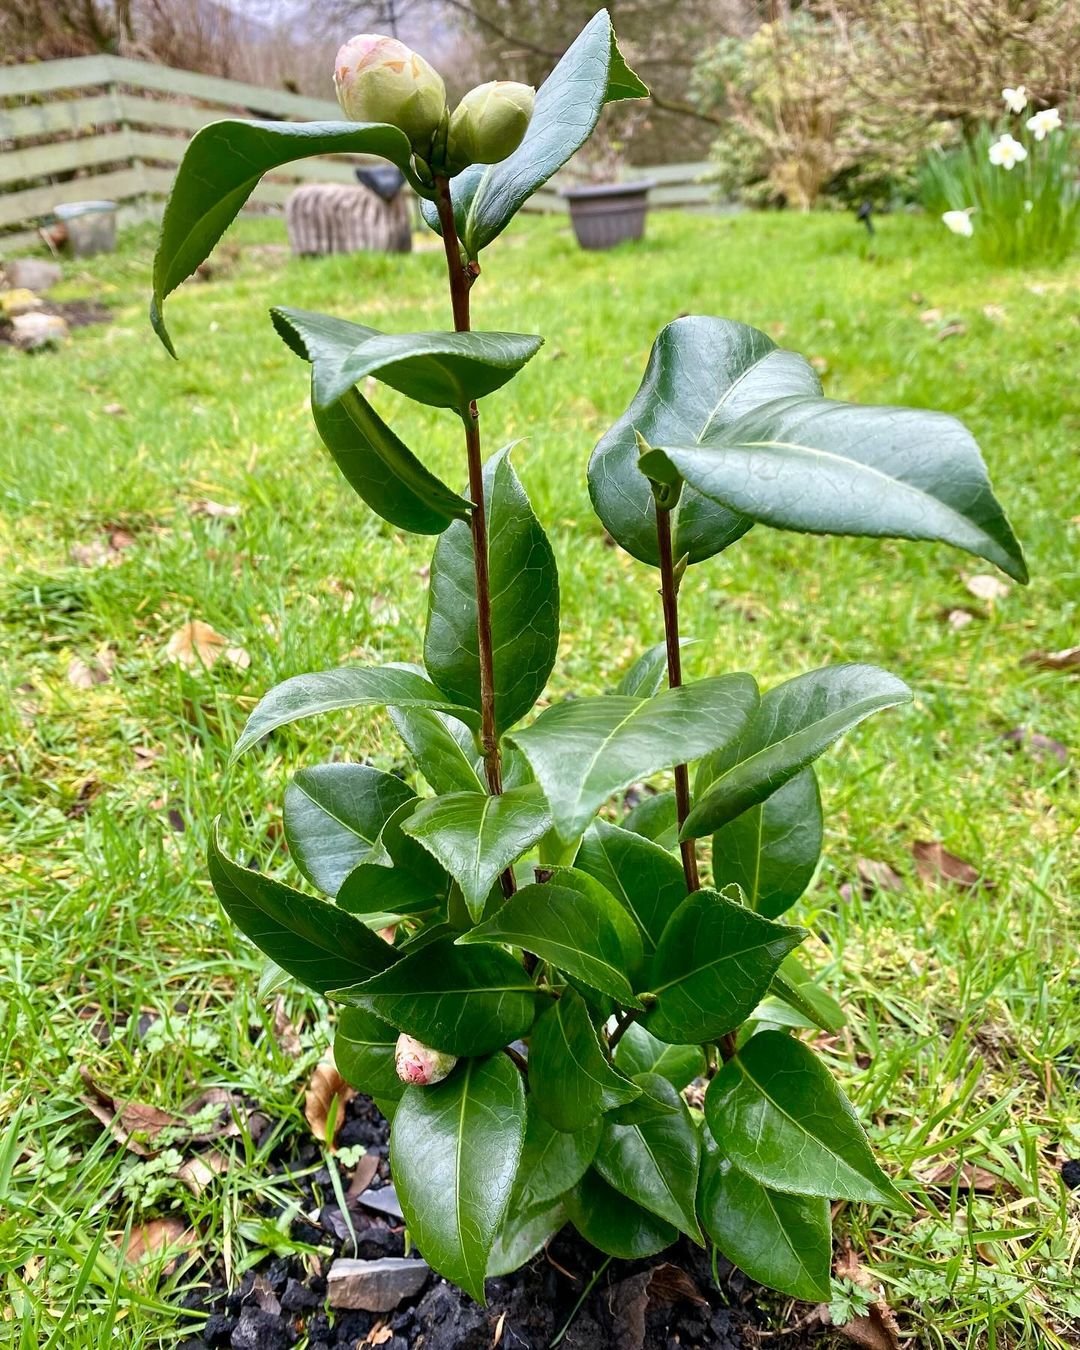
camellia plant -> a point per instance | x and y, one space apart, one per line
557 976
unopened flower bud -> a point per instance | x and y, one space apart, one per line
418 1064
379 79
489 123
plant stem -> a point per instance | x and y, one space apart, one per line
669 592
461 281
621 1026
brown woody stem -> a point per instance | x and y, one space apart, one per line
669 593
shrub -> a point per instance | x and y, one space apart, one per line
554 978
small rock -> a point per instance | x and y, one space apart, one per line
32 331
383 1200
218 1329
298 1297
19 301
1070 1173
375 1286
259 1330
33 274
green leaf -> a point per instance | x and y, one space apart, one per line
347 687
382 469
798 990
820 467
442 747
781 1241
442 370
364 1049
553 1160
397 877
781 1118
568 106
771 851
615 1224
476 837
525 612
333 815
524 1231
221 166
571 1082
655 1163
645 878
584 750
642 1108
714 962
797 721
314 941
454 1152
638 1051
703 374
581 932
466 1003
649 671
655 817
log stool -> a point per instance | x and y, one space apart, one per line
339 218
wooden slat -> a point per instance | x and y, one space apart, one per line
70 115
44 77
35 203
211 89
85 152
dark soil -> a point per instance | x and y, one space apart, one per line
634 1305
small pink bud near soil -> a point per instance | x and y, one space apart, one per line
379 79
419 1065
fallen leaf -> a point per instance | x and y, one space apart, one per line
995 313
114 409
134 1124
958 618
631 1299
671 1284
155 1236
206 506
951 330
196 645
877 1331
288 1038
930 316
363 1175
967 1177
121 539
198 1173
1066 659
934 863
1042 747
847 1266
86 674
94 554
223 1123
877 875
380 1335
327 1090
983 586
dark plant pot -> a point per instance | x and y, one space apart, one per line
608 214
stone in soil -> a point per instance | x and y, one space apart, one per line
261 1330
33 274
375 1286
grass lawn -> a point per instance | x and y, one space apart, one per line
963 1045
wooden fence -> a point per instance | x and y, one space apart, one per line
105 127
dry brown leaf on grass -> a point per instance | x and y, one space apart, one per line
149 1240
327 1092
197 646
198 1173
285 1033
1066 659
206 506
98 670
958 618
363 1175
878 1330
1036 744
983 586
137 1125
379 1335
967 1177
935 864
631 1299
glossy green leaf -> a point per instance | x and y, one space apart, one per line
464 1002
584 750
645 878
645 1107
525 605
553 1160
714 962
797 721
655 1163
476 836
347 687
771 851
523 1232
781 1118
638 1051
703 374
333 815
649 671
442 370
454 1152
398 876
568 106
442 747
364 1049
382 470
570 1080
795 987
220 168
579 932
655 817
817 466
614 1224
314 941
781 1241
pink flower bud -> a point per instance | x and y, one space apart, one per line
379 79
418 1064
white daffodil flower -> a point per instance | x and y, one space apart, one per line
959 222
1015 99
1007 152
1043 123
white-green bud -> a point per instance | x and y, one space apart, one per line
418 1064
379 79
489 123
